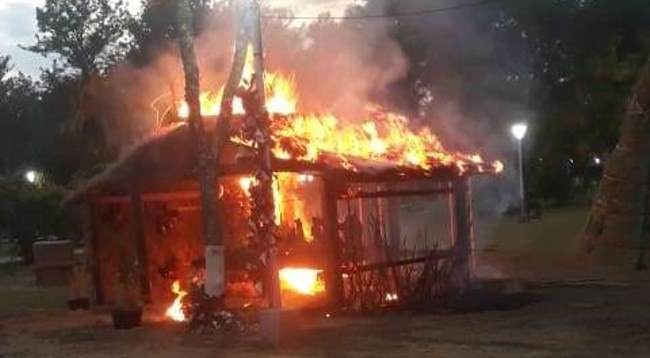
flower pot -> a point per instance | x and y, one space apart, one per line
127 319
79 304
83 303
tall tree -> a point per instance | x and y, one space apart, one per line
214 281
88 35
23 130
585 56
157 25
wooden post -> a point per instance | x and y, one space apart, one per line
333 274
139 234
462 225
452 216
394 232
94 260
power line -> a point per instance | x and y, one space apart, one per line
382 16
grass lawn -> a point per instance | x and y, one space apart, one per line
549 245
600 321
551 249
6 250
20 295
558 232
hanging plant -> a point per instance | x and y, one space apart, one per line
166 219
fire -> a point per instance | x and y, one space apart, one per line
281 96
383 136
386 137
175 311
391 297
245 183
287 204
304 281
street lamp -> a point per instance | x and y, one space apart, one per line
30 176
518 131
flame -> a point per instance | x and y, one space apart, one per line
385 138
391 297
287 202
175 311
245 183
382 136
304 281
280 91
281 96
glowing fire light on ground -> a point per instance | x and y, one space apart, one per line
175 311
304 281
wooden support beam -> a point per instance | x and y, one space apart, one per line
95 263
148 197
461 222
444 254
395 193
333 274
139 233
393 220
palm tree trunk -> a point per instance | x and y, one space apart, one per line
214 257
620 208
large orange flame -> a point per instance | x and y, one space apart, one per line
383 136
175 310
304 281
287 205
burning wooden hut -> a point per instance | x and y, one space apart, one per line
338 227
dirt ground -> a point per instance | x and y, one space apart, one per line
605 320
576 306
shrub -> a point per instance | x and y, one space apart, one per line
29 212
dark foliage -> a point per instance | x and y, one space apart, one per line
29 212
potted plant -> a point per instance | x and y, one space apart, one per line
127 312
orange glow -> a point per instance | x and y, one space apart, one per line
391 297
382 136
288 204
245 183
281 97
175 311
304 281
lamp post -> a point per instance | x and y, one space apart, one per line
518 131
31 176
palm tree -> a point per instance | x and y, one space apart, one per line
619 214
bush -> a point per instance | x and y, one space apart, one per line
29 212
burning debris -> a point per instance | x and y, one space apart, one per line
201 312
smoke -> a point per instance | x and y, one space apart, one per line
474 81
338 68
456 79
335 64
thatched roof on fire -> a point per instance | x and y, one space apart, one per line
168 156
